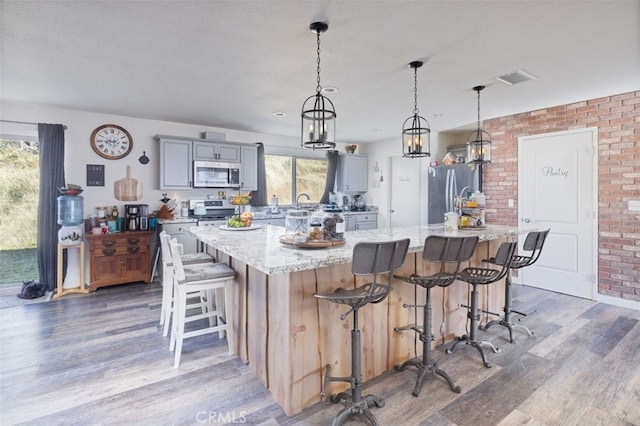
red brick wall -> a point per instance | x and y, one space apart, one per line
618 121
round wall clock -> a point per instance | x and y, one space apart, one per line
111 142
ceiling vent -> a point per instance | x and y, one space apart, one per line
516 77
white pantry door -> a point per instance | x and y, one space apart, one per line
405 192
557 190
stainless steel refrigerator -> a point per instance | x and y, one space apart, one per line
444 183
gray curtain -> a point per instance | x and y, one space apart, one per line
51 140
332 168
259 197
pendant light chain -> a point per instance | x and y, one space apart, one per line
318 87
478 109
415 91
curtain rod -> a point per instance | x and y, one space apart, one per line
26 122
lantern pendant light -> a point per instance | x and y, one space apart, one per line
479 141
318 112
415 130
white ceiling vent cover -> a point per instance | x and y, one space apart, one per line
516 77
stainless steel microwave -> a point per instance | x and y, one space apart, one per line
210 174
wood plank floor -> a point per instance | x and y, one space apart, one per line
101 359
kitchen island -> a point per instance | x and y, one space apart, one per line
286 335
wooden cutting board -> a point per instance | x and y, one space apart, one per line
127 189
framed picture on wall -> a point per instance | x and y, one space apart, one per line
95 174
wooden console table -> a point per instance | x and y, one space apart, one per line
119 258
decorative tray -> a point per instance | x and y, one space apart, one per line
242 228
311 244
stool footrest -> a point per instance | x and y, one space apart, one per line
490 313
416 328
327 379
523 314
405 305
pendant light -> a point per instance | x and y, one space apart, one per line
479 141
415 130
318 113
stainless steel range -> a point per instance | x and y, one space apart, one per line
215 211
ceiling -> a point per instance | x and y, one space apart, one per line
231 64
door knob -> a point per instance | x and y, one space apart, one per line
526 220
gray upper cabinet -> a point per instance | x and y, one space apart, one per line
249 170
175 163
211 151
352 173
177 155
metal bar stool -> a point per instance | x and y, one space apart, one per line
532 243
370 259
480 276
450 252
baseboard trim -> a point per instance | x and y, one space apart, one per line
625 303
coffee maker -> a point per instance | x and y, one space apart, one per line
144 217
136 217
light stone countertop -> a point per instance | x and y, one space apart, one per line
259 216
178 220
361 212
261 248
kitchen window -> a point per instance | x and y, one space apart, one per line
288 176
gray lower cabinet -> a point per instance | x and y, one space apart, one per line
349 222
362 226
277 221
188 241
361 221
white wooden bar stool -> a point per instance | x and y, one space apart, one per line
209 278
167 279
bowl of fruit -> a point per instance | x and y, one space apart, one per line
242 220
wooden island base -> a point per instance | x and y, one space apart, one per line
287 336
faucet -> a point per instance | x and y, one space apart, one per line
461 197
298 199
